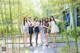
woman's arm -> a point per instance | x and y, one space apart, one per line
47 26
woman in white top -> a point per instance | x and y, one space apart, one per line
54 29
25 30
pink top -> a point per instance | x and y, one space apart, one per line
36 24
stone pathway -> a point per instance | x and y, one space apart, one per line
42 49
39 48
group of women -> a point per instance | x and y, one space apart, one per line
41 27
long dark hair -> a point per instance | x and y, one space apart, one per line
41 21
53 19
35 19
24 20
46 20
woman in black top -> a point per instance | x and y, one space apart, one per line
46 30
30 31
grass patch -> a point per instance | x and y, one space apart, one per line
27 50
65 50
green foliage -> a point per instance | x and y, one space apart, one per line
60 25
72 32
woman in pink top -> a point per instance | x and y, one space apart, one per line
36 29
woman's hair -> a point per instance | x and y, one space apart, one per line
34 19
46 20
53 18
24 20
41 21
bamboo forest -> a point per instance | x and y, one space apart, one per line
22 31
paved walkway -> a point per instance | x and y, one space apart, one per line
39 48
42 48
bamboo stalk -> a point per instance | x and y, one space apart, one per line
19 22
65 30
14 16
2 22
74 22
6 19
6 33
1 13
11 26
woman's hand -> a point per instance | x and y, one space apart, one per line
41 26
47 27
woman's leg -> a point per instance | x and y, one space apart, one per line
30 39
25 38
36 39
54 35
41 36
46 38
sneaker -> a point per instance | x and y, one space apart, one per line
31 46
54 46
47 45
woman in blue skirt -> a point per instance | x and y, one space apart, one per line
41 28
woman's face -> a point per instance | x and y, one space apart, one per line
25 19
51 18
41 19
46 19
35 19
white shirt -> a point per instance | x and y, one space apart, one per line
26 25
